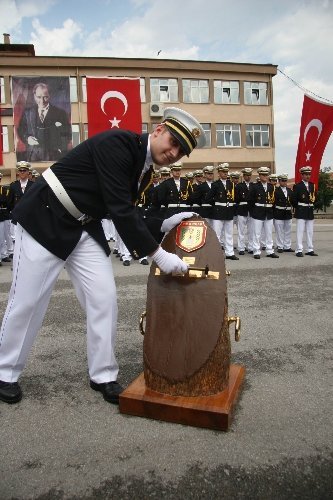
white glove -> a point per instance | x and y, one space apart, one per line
32 141
174 220
169 262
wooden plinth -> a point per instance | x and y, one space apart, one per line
212 412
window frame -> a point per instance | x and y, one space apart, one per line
5 138
199 88
257 131
225 85
171 88
252 89
221 132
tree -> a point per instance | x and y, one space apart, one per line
325 189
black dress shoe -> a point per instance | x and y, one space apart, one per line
313 254
280 250
263 248
256 256
241 252
250 252
144 262
299 254
115 252
232 257
10 392
126 263
288 250
6 259
273 255
109 390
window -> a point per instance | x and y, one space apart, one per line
85 131
164 90
142 90
2 90
73 88
207 129
75 134
4 137
226 92
255 93
228 135
84 89
196 91
144 128
257 136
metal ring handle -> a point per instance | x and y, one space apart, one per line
237 321
142 317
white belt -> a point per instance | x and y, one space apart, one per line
140 205
305 204
195 205
242 203
60 192
206 205
282 208
178 205
224 204
268 205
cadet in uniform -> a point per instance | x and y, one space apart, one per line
175 193
59 222
6 242
283 214
222 199
261 200
305 197
244 220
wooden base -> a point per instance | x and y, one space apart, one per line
212 412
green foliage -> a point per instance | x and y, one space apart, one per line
325 189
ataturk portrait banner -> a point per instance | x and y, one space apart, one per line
42 117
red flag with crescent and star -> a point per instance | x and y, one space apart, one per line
113 103
316 128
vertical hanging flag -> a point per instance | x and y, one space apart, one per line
316 128
113 103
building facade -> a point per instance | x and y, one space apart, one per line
232 101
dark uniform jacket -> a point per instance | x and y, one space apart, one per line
242 198
168 194
304 200
53 134
199 197
283 204
15 192
101 177
4 204
223 200
261 202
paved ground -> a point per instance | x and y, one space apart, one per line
64 442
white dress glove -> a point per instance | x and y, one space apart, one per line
169 262
174 220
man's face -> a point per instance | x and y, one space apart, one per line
306 177
263 178
283 183
164 147
199 179
246 177
235 180
23 174
176 173
41 97
223 175
273 181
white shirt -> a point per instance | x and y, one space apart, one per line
264 186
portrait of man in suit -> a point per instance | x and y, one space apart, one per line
43 129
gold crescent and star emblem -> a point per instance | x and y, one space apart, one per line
114 94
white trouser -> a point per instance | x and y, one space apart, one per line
260 226
3 248
12 230
112 230
8 237
245 224
34 275
283 234
106 224
224 233
123 250
301 226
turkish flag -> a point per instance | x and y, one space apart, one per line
316 128
113 103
